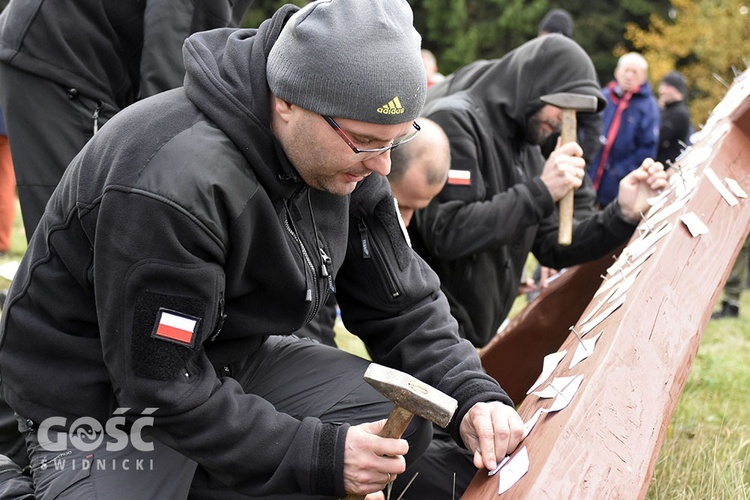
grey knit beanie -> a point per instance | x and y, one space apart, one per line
356 59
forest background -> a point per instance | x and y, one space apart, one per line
705 39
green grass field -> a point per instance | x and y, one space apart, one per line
706 454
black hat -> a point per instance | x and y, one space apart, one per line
557 21
676 80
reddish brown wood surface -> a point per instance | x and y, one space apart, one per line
541 328
606 442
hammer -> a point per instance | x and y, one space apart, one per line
569 103
412 397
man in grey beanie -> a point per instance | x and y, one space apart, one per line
195 234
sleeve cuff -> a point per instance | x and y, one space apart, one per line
330 471
541 196
619 226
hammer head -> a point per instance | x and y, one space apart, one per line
568 100
412 394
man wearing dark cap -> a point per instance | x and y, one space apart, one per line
589 124
674 128
556 21
147 342
499 202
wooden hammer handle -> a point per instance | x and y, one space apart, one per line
396 424
565 208
394 428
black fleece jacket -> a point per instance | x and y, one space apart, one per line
114 51
185 202
478 236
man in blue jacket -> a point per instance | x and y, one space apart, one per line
631 127
147 341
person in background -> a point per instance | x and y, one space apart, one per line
631 127
589 130
431 67
419 169
675 127
65 71
730 302
197 232
556 21
7 192
499 201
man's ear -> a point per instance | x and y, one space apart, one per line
282 108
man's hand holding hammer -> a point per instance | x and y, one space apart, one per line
374 453
564 170
490 430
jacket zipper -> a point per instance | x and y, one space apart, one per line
310 295
367 251
221 318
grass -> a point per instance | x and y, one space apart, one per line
706 453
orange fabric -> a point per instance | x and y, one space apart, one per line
7 194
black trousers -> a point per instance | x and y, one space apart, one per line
47 124
300 377
444 471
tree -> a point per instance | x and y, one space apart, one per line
705 40
461 31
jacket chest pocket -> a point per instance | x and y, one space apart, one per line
373 250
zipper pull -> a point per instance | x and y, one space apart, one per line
221 318
324 264
364 238
325 267
95 116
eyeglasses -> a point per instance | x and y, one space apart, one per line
381 150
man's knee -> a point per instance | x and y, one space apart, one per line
419 435
14 484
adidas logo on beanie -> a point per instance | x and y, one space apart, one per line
351 59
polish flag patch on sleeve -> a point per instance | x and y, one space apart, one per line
176 327
459 177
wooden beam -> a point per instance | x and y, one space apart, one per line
515 355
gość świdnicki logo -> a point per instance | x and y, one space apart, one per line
88 434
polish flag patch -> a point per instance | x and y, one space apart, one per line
459 177
175 327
